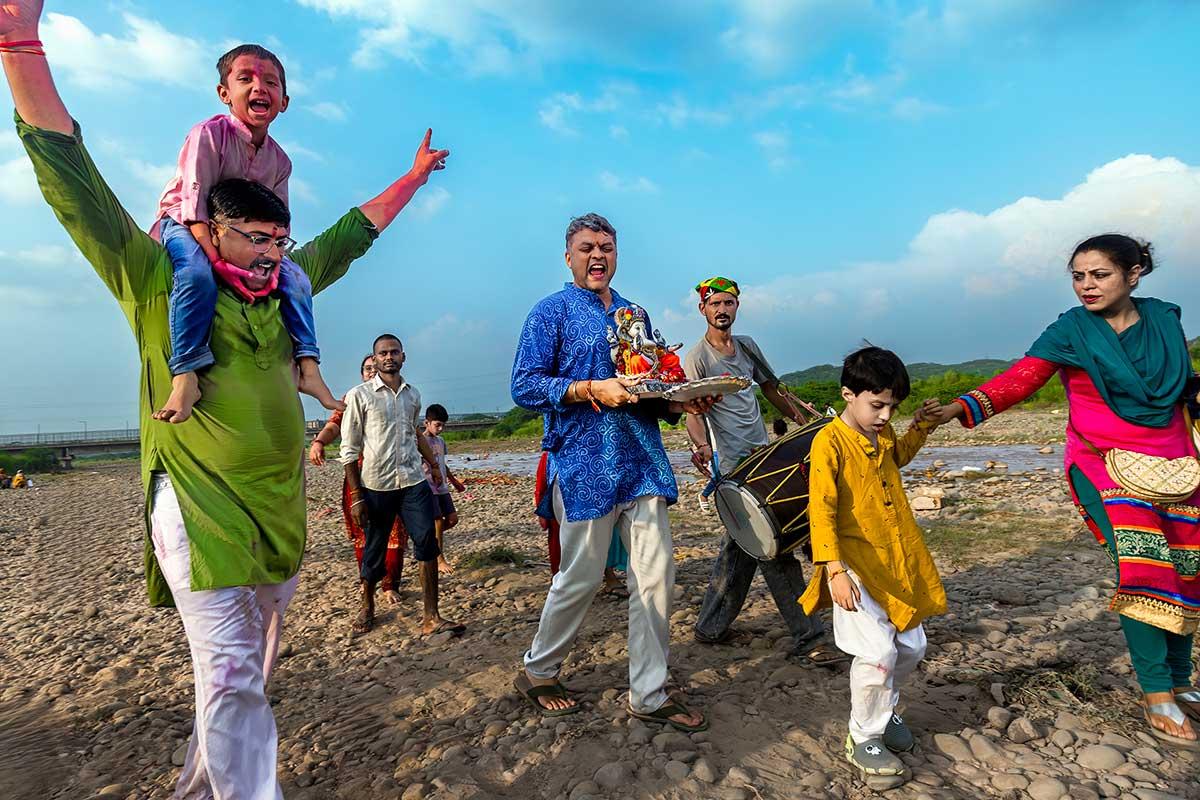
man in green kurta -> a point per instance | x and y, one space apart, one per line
225 491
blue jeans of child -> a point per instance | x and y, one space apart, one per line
194 302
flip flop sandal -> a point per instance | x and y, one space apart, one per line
822 655
615 591
1172 712
556 690
671 708
1189 701
454 628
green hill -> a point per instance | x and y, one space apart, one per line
917 370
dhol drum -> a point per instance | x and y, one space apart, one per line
764 500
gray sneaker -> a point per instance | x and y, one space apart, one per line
897 737
873 758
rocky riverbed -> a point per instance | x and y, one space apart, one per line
1026 692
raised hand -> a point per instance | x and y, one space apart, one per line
427 159
19 19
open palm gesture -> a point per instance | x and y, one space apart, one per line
19 17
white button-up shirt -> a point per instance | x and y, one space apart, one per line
381 426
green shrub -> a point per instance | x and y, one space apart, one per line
38 460
490 557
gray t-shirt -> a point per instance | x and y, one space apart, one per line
736 421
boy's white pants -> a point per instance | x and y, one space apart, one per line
883 658
233 634
645 531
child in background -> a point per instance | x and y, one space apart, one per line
871 562
445 516
235 145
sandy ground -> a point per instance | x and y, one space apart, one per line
1026 691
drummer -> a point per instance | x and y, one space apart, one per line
737 426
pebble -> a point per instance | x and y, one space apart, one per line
1022 730
703 771
614 775
1047 789
952 746
676 770
1100 757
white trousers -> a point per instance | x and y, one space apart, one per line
234 635
883 658
645 530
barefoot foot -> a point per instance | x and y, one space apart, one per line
185 392
444 567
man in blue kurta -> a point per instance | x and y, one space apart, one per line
607 467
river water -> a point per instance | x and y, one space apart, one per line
1018 457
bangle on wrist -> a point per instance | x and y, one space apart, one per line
591 397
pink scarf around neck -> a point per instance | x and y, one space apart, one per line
235 278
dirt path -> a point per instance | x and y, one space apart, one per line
1026 691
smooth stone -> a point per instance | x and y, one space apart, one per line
1023 730
1008 782
613 776
676 770
1047 789
1100 757
952 746
416 791
999 717
703 771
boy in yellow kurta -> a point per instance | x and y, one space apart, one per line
871 562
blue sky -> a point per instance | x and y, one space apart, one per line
910 172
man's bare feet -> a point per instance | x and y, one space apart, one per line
185 392
365 620
392 597
551 703
312 384
444 566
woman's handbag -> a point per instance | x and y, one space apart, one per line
1153 478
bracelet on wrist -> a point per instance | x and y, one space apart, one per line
592 398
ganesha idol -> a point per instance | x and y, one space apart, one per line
638 354
645 356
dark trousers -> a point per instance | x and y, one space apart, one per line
414 506
732 574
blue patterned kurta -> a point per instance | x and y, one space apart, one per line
600 459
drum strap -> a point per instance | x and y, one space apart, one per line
783 389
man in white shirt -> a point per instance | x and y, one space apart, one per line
381 425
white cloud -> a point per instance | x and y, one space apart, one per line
46 255
776 147
334 112
295 150
914 109
10 142
145 52
482 36
618 132
302 190
635 185
769 35
678 113
153 177
18 186
429 201
1000 273
561 111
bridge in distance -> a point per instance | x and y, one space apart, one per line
67 446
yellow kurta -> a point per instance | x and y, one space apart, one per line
861 517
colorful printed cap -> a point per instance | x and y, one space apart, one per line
714 285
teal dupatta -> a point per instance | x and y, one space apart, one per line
1141 372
